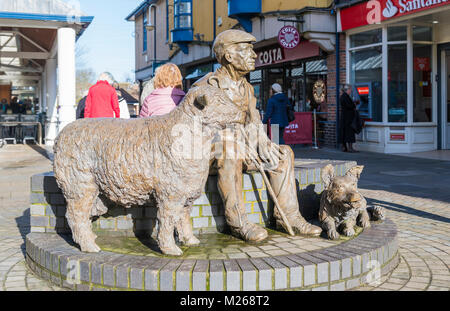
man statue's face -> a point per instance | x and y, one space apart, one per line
242 57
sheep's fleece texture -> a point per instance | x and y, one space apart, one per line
131 162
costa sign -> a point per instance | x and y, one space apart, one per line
376 11
276 54
271 56
288 37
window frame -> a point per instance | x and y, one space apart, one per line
144 32
176 15
410 74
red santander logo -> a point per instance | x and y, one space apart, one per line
288 37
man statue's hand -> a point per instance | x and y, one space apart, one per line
269 154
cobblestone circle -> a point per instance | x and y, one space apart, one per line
423 225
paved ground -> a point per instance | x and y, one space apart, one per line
17 165
414 191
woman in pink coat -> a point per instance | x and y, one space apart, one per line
167 94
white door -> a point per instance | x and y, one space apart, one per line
446 96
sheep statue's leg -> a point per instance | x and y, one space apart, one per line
78 217
167 219
184 226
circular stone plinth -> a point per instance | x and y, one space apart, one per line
221 262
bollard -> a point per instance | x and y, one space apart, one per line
315 130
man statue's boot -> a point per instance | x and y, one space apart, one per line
298 223
242 228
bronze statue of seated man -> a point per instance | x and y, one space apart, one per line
234 52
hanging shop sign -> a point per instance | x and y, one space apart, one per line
288 37
319 91
275 54
376 11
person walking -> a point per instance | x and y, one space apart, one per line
15 108
167 94
348 114
277 110
102 100
81 106
4 106
123 105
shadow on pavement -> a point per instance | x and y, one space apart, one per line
42 151
415 177
23 223
407 210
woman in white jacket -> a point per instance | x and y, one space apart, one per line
123 105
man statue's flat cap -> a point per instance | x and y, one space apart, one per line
233 36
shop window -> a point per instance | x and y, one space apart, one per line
397 33
365 38
144 35
397 83
366 78
183 14
255 76
255 81
422 83
421 33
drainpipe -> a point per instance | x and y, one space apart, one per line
214 17
167 21
154 30
337 84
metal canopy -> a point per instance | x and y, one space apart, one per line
28 29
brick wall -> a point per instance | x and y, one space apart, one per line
48 206
329 127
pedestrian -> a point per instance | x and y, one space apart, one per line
81 106
4 106
277 110
15 108
348 114
147 89
167 94
102 101
123 105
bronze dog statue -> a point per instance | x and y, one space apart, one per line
342 205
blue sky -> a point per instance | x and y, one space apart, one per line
109 41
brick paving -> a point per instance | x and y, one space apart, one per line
415 197
17 164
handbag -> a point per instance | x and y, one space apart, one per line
290 113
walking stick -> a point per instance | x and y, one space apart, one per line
269 186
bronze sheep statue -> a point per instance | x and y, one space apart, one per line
132 162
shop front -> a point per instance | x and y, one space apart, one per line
296 70
397 60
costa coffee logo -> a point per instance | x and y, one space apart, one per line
288 37
271 56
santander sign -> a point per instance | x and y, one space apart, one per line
376 11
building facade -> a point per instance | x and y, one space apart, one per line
37 54
185 31
397 59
